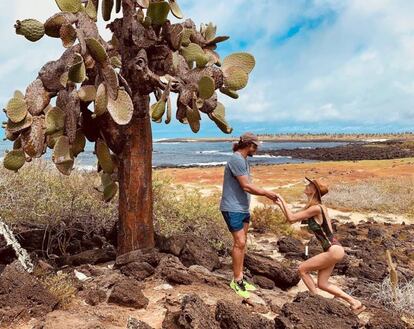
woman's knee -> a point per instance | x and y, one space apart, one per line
323 285
302 270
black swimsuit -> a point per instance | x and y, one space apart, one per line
323 232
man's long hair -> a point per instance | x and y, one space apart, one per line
240 145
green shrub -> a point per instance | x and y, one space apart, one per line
270 219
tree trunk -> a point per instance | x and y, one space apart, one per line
135 230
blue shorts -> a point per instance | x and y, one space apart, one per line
235 220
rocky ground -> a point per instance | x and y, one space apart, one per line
184 284
350 152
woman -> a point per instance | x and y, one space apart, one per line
319 222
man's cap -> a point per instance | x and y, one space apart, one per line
249 137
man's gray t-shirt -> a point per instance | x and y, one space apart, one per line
234 198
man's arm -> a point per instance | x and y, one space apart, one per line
252 189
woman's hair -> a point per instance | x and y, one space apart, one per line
240 145
314 197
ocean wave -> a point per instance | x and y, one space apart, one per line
208 152
203 164
268 156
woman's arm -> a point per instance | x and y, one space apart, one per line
252 189
297 216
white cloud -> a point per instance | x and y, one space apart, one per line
319 60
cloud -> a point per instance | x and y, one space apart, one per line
319 62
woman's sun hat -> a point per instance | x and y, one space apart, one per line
321 188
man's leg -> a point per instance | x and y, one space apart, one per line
245 230
239 245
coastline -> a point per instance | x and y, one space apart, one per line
302 138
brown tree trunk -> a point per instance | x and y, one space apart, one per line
135 230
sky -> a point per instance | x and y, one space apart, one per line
322 65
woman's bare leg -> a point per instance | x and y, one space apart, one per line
314 263
323 283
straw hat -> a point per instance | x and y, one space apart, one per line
321 188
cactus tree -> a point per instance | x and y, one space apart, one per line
102 91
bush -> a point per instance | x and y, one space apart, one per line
404 302
380 195
271 219
61 286
38 193
181 210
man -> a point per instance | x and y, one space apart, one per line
235 205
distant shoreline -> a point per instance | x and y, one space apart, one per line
301 138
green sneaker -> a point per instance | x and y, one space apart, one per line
239 289
249 286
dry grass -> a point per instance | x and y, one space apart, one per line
381 195
183 210
61 286
270 219
39 193
404 302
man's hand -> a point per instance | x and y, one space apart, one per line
272 196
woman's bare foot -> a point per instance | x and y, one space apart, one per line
358 307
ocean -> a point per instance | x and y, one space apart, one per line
193 153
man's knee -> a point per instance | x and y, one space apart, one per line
240 243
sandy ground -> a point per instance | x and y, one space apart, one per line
290 177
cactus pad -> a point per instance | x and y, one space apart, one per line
66 167
67 35
175 9
52 138
122 108
96 50
158 110
18 94
186 37
31 29
193 52
218 116
111 81
101 100
61 150
77 72
14 128
107 6
193 117
55 120
78 145
235 78
14 160
143 3
54 23
229 92
72 6
16 109
87 93
110 191
104 156
91 10
37 97
158 12
33 139
243 60
206 87
116 62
